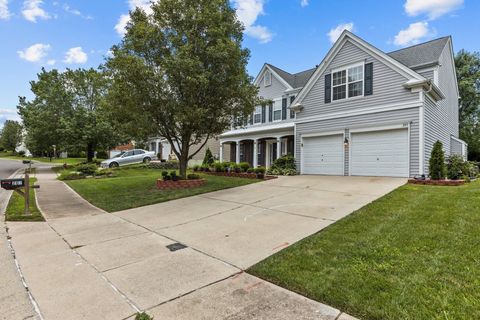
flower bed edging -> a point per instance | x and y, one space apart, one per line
180 184
438 182
239 175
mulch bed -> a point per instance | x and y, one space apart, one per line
239 175
180 184
438 182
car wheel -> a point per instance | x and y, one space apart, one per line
146 160
113 165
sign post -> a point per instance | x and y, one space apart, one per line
17 185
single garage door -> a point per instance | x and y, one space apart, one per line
380 153
323 155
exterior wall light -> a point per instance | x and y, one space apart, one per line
346 142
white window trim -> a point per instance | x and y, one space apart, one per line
269 83
275 103
347 97
257 113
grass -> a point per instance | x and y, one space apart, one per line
16 206
413 254
69 161
136 186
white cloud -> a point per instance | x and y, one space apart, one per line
51 62
334 33
125 18
8 114
247 13
32 10
34 53
75 55
413 34
433 8
304 3
4 12
76 12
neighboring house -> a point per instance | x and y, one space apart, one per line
119 149
360 112
164 150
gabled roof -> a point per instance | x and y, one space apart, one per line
423 54
296 80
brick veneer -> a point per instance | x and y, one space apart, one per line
180 184
239 175
438 182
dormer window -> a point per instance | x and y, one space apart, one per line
348 82
267 78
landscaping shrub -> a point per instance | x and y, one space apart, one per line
169 165
289 172
437 166
165 175
250 170
218 167
173 175
87 169
196 168
66 175
193 176
143 316
244 166
285 162
21 153
457 167
259 170
208 160
104 172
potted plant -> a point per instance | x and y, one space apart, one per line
260 171
165 176
173 175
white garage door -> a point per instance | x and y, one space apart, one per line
380 153
323 155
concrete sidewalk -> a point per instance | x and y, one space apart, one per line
182 259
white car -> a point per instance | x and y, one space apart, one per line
129 157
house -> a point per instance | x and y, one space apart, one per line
360 112
164 150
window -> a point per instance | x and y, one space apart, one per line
267 79
139 152
277 110
292 113
257 115
347 83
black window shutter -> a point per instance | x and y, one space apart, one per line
292 113
284 108
263 114
270 113
328 88
368 79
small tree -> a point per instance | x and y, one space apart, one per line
208 160
11 135
437 166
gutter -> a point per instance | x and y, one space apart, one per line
426 84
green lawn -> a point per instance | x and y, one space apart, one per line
16 206
135 187
413 254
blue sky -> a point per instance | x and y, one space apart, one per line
291 34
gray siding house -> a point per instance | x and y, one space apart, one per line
360 112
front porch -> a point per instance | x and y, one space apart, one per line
257 151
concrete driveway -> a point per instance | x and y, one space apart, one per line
184 259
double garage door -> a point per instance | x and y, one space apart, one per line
372 153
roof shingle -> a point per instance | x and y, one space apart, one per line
420 54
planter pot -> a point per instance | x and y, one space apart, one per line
260 176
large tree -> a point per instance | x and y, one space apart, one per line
468 75
11 135
68 112
181 73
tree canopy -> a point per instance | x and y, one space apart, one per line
468 75
181 73
11 135
68 112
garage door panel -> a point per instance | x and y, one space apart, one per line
380 153
323 155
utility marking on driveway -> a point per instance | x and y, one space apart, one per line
252 286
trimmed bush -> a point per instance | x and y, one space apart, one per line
250 170
285 162
259 170
196 168
193 176
143 316
218 167
437 166
244 166
169 165
457 167
208 160
70 176
289 172
87 169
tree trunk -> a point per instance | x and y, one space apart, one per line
183 164
90 152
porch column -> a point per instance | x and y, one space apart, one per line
237 152
221 152
279 147
255 153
